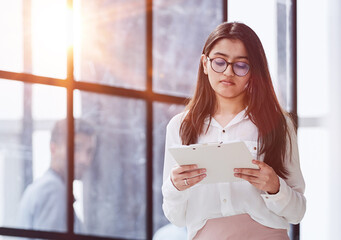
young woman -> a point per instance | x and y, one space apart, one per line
235 100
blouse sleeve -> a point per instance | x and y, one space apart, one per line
289 202
174 201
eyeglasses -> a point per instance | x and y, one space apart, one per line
219 65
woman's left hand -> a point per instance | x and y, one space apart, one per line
264 178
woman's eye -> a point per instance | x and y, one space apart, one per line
241 65
219 62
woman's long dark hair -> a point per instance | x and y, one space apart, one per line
263 107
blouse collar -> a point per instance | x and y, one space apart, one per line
237 119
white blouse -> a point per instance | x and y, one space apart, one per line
194 206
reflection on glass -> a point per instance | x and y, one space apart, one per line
84 149
180 29
43 203
162 114
31 159
110 48
113 192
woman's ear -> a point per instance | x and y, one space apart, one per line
204 62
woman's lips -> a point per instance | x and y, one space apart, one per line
227 82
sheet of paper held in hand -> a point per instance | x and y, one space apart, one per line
219 159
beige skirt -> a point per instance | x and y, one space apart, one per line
239 227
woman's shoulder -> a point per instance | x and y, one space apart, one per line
176 121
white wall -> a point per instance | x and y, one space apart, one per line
319 110
313 106
334 123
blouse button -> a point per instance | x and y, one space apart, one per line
224 200
223 130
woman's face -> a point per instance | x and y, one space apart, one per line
227 84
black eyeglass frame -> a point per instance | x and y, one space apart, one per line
227 64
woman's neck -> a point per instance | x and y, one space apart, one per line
227 109
229 106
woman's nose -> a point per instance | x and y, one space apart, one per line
229 71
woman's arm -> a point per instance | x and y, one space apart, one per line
283 197
289 202
174 201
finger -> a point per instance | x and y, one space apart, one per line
260 164
251 179
247 171
265 168
184 168
193 173
194 180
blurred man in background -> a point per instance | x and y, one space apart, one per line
44 203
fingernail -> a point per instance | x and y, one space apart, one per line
203 170
203 176
254 161
236 170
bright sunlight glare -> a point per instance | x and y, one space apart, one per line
49 37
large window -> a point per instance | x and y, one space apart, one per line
87 88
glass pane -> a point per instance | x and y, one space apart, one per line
176 46
12 100
34 39
273 29
314 145
11 43
32 160
110 46
162 114
54 108
49 38
111 194
313 80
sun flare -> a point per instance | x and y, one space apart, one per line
53 33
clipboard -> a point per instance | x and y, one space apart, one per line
219 159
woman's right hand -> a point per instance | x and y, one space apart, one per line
186 176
